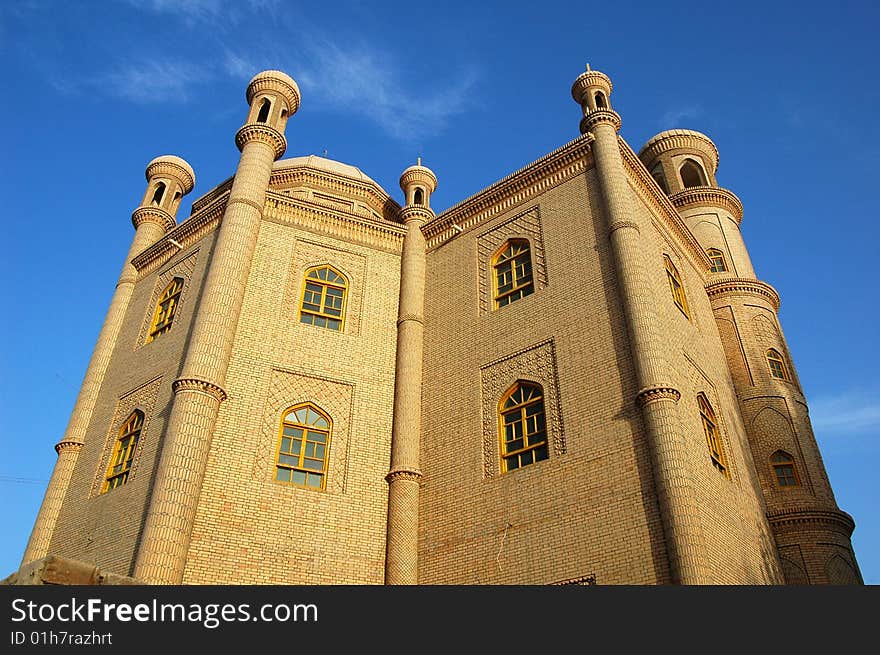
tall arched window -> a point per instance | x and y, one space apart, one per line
323 301
675 285
419 197
692 174
783 469
303 447
660 177
166 308
523 426
778 369
124 451
717 259
713 437
512 267
263 115
600 101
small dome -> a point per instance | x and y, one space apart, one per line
278 82
673 139
175 166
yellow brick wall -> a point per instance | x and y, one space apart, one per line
266 532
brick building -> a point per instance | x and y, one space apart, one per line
573 376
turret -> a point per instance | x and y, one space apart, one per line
812 534
404 477
169 178
272 98
684 163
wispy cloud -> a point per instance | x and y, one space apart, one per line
849 414
143 82
369 82
216 12
672 118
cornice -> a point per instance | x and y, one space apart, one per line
327 220
711 196
199 386
834 518
401 473
658 392
188 233
68 446
262 133
314 178
549 171
738 286
647 189
150 214
416 213
599 117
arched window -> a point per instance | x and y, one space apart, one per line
600 101
323 302
783 469
523 426
660 177
303 447
713 437
692 174
717 259
123 451
778 369
512 267
158 193
263 115
675 285
166 308
419 197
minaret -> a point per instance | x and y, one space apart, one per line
273 97
657 398
169 178
812 533
402 539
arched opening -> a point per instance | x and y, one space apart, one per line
784 470
523 427
717 259
659 177
304 447
692 174
419 197
158 194
600 101
263 115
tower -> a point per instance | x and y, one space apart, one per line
812 534
169 178
657 397
401 561
272 97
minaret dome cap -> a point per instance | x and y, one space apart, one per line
276 82
418 173
175 167
590 79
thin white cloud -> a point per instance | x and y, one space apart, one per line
673 117
216 12
369 82
850 414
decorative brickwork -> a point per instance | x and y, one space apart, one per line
535 364
144 399
183 269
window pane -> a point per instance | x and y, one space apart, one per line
298 477
287 459
314 480
313 464
282 474
514 445
541 452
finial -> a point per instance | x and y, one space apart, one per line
588 66
418 161
325 153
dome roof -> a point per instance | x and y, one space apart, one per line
328 165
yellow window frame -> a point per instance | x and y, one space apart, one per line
303 443
124 450
713 435
320 310
782 463
166 309
676 286
513 260
719 264
522 426
776 363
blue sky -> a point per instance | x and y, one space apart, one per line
95 90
